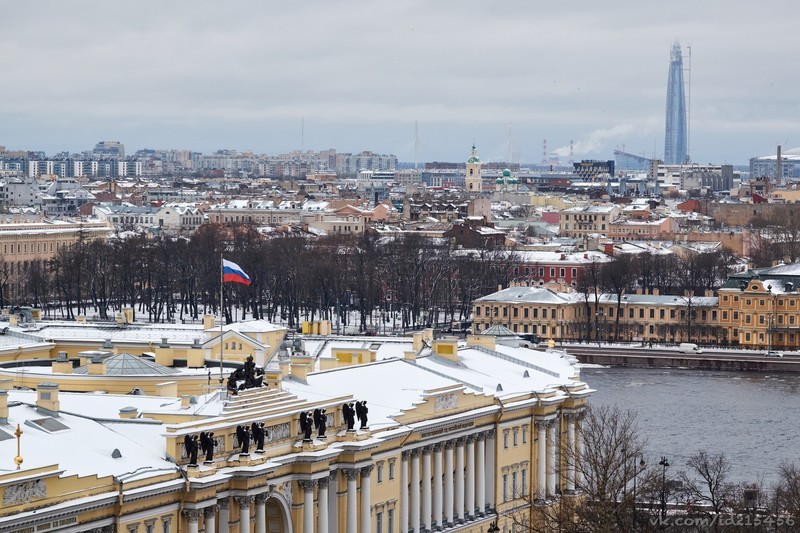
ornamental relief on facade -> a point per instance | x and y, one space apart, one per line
25 492
445 402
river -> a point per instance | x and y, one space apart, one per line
750 417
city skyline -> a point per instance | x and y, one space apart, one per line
355 78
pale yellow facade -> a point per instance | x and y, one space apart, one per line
456 456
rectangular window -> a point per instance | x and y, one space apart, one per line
391 469
380 473
524 486
652 313
514 492
505 487
525 313
562 272
524 434
660 313
516 434
515 312
379 522
390 521
505 439
552 272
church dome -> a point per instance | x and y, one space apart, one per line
506 173
499 181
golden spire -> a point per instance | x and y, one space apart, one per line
18 458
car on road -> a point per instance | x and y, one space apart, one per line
773 353
689 347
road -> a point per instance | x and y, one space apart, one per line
715 359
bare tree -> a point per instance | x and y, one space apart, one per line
706 485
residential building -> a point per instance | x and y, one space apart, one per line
583 221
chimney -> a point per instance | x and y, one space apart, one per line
208 322
97 366
410 356
128 413
47 398
656 292
3 406
185 401
447 348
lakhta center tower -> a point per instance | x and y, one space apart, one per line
675 138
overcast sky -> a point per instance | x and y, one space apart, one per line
206 75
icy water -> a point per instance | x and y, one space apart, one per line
754 418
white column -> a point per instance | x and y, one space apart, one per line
322 503
192 516
224 515
261 513
426 488
414 500
437 486
333 502
210 518
244 513
308 504
352 501
541 460
480 473
404 493
490 473
366 504
551 458
469 503
459 477
578 451
571 452
448 483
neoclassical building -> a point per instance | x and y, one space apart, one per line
457 434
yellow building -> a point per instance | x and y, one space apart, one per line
457 434
761 314
571 315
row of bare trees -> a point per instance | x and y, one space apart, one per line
620 491
687 277
407 281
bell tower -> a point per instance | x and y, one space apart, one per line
473 181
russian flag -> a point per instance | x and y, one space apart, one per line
233 272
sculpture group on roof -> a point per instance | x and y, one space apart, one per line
309 421
351 411
248 377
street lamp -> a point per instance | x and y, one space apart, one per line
598 316
664 465
493 528
636 471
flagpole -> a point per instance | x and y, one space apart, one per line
221 312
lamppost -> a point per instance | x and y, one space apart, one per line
598 316
493 528
664 465
636 471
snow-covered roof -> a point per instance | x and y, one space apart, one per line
90 442
540 295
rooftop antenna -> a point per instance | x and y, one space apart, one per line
302 134
416 145
571 151
510 145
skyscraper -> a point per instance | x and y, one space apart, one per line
675 138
